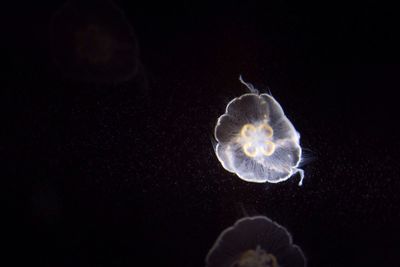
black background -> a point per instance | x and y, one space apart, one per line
125 174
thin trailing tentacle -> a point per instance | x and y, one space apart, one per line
301 173
249 86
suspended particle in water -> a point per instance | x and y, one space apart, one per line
93 41
255 242
256 141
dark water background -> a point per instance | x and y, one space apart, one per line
119 174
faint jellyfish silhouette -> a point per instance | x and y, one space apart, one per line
93 41
256 141
255 242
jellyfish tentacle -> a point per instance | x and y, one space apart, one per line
301 173
252 89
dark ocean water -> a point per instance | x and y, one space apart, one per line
120 170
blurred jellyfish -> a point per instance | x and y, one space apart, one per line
92 41
256 140
255 242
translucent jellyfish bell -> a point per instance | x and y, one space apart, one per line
256 140
255 242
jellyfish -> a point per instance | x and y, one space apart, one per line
92 41
255 242
256 141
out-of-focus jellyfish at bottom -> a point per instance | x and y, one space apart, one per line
255 242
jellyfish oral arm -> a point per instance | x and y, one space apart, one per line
301 173
252 89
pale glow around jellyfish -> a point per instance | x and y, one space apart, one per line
256 141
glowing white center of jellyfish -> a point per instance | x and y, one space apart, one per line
257 140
